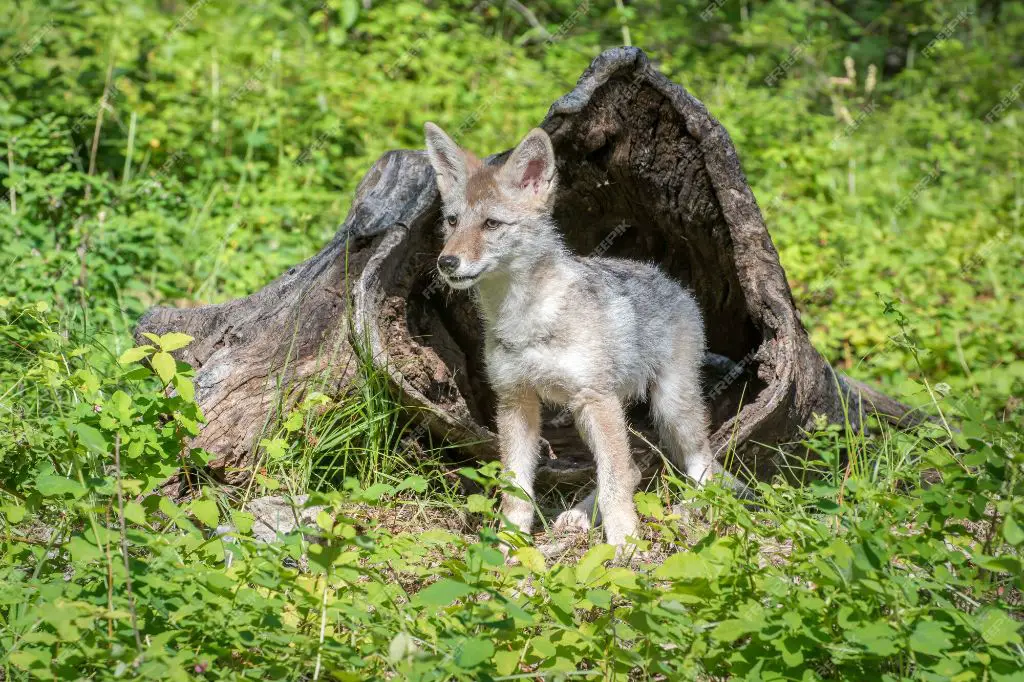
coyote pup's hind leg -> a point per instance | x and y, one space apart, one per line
602 424
681 415
519 441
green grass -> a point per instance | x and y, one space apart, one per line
231 144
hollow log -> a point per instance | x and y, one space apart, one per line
645 172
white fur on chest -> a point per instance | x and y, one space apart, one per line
554 372
545 334
527 345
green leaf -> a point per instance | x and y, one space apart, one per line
242 521
186 389
1012 531
324 520
929 638
294 422
267 482
349 12
376 492
732 629
14 513
506 662
137 374
169 509
83 551
91 438
789 647
29 659
684 566
120 404
135 512
473 652
206 511
602 599
135 354
1002 564
51 484
531 558
175 514
877 638
997 628
587 567
276 448
174 341
443 592
88 381
479 504
164 366
415 483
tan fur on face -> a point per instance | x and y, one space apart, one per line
473 163
467 243
482 185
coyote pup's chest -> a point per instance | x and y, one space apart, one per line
540 335
546 361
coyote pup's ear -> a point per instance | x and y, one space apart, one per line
447 158
531 167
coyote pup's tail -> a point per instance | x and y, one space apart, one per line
681 416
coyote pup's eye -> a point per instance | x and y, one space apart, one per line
491 223
452 219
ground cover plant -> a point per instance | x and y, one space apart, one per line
189 153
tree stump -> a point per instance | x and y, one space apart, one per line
645 173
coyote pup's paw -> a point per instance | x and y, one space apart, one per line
519 514
571 521
620 526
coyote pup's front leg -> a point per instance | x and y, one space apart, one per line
519 440
602 424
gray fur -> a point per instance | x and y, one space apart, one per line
593 334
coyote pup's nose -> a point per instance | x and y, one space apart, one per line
448 264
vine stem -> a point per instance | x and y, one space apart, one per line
323 627
10 173
124 543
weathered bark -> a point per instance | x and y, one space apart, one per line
645 172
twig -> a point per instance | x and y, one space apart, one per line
7 491
99 123
530 17
323 626
83 272
626 40
124 543
10 175
131 149
110 582
32 541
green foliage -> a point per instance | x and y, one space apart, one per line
882 142
862 570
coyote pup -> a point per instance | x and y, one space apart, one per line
588 333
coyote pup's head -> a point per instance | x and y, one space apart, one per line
495 217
